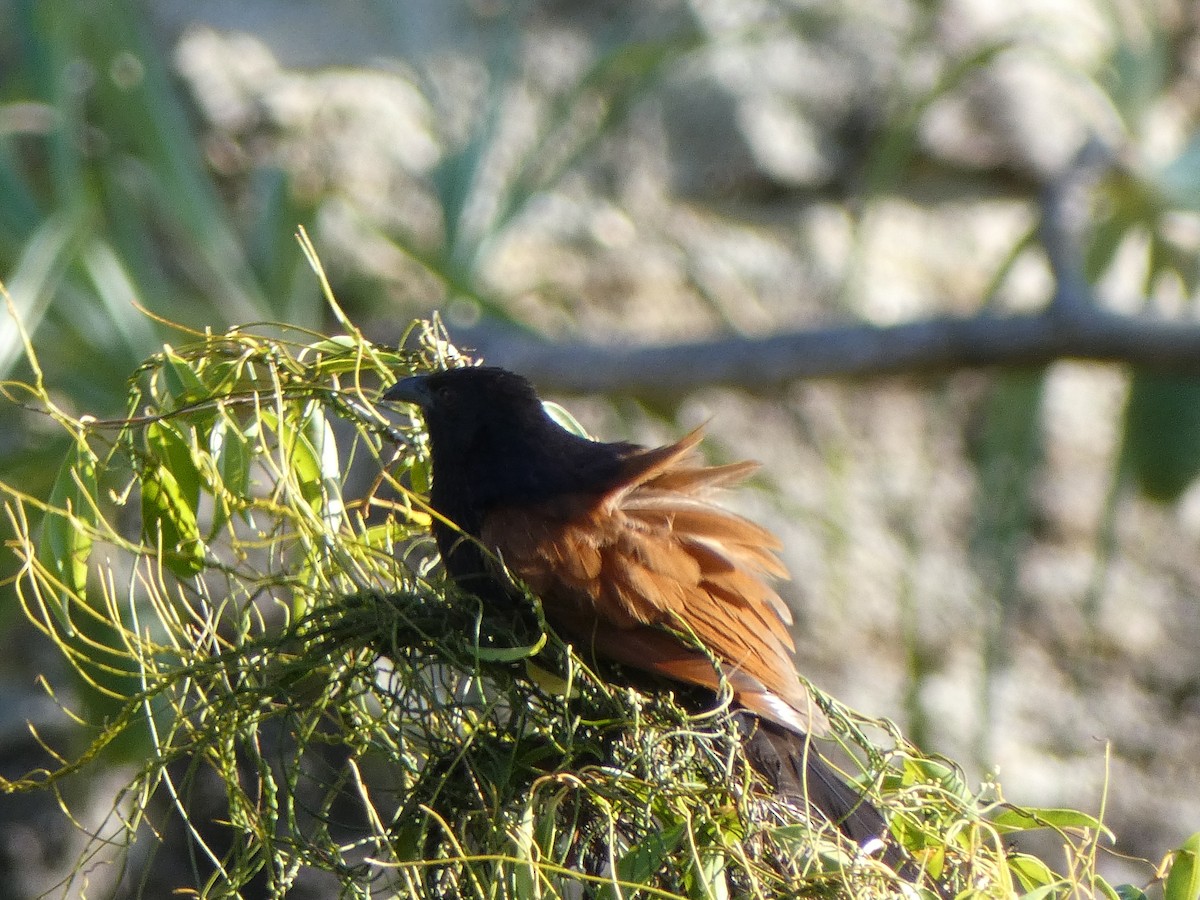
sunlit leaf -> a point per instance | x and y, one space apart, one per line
166 513
512 654
66 541
317 467
1015 818
420 473
392 532
550 682
932 771
526 883
183 385
710 882
1183 881
234 453
1031 871
168 446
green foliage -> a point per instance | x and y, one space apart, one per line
471 175
1006 453
1162 434
1139 206
255 616
107 200
1183 881
66 541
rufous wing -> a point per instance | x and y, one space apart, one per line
618 571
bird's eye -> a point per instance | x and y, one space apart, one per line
445 394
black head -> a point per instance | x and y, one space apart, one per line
464 408
457 398
493 443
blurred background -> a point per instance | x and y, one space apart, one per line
1002 559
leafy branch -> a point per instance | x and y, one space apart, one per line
266 620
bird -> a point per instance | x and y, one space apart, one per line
633 563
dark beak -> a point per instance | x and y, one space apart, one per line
414 389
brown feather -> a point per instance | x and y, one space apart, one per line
615 568
689 479
644 465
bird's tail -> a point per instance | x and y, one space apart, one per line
792 766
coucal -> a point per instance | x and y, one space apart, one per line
632 562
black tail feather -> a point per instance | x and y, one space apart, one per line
793 767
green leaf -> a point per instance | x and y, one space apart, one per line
174 190
641 861
1107 236
1014 818
183 385
392 532
709 881
1183 881
168 446
341 354
931 771
233 454
420 474
315 457
1006 452
1032 872
272 250
1129 892
66 539
510 654
167 513
551 683
34 280
1162 434
799 835
526 883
